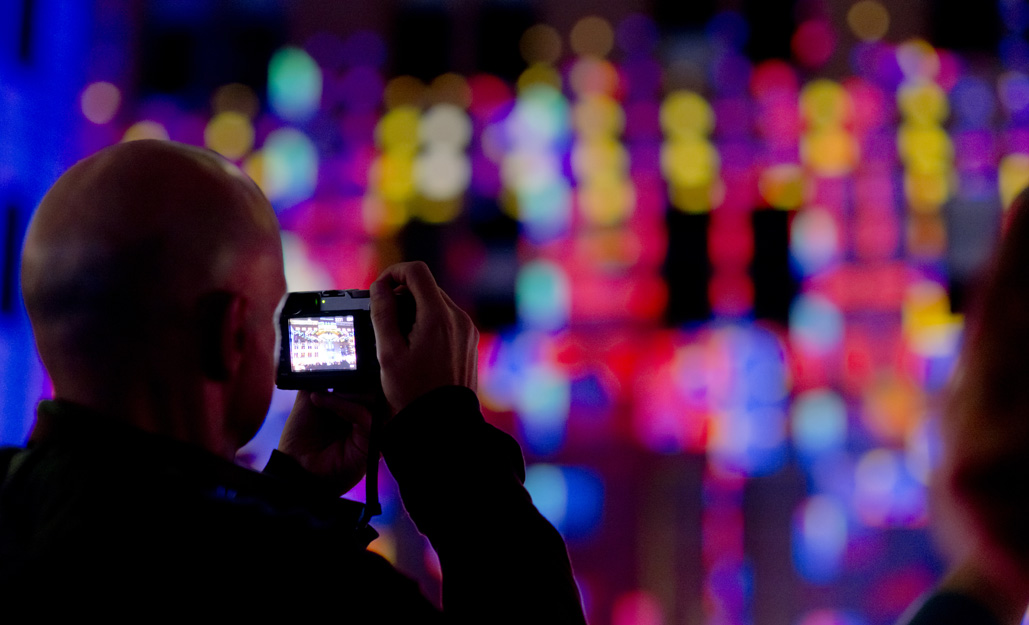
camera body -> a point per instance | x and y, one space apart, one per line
327 342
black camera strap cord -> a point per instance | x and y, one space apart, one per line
371 479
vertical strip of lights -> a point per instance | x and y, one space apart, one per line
537 193
926 152
1013 91
391 180
728 194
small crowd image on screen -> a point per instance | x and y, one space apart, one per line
322 344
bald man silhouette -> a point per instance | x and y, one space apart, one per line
152 274
981 507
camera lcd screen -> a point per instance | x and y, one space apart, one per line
322 344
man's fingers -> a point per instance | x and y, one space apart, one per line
418 279
384 318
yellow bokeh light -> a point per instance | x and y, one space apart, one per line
398 129
598 115
238 98
393 173
229 134
699 199
145 129
685 113
868 20
927 191
539 74
831 152
403 91
599 157
782 186
436 211
606 200
923 103
689 162
925 149
592 36
254 166
540 44
929 325
100 102
1012 177
825 103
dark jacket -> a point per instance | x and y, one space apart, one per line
948 608
118 519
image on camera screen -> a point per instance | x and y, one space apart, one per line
322 344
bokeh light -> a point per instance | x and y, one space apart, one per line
100 102
541 44
592 36
229 134
146 129
868 20
294 84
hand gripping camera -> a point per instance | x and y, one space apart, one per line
327 342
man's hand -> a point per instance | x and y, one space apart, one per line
441 347
328 435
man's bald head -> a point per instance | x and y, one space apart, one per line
127 248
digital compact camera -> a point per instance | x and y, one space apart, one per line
327 342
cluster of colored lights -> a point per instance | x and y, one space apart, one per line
588 154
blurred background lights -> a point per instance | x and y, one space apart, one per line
918 59
570 497
819 422
637 608
829 617
868 20
294 84
398 129
825 103
814 42
820 538
686 114
592 36
403 91
450 89
543 405
442 172
782 186
236 98
540 118
100 102
146 129
1012 177
541 44
229 134
929 325
445 124
923 103
1013 90
816 324
545 209
290 170
814 240
543 295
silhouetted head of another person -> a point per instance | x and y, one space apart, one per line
985 468
152 273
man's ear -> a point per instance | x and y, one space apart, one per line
222 324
